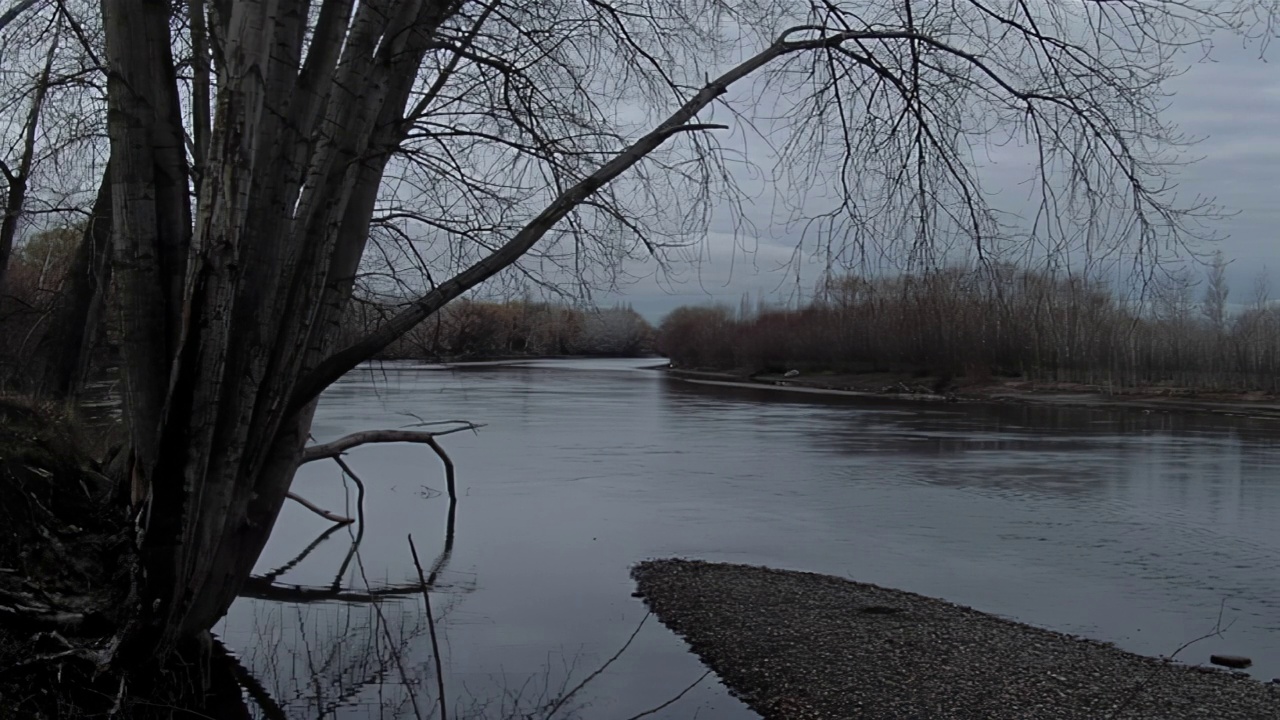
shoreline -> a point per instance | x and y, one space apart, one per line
803 646
890 386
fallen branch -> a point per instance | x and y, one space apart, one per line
1142 684
395 653
448 468
431 625
672 701
272 575
569 695
347 472
260 589
367 437
23 611
336 448
331 517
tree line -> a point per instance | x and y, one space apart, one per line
1000 321
470 329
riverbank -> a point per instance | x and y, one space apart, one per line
801 646
1008 390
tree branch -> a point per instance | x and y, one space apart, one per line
431 624
331 517
338 364
13 12
368 437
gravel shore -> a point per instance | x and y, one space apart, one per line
798 645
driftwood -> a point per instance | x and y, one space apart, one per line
336 448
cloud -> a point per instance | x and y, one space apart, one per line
1230 102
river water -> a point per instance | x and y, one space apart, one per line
1146 530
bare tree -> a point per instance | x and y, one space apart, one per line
51 165
550 139
18 177
1216 292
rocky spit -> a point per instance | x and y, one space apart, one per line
801 646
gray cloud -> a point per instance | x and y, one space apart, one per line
1229 102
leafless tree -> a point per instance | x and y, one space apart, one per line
51 164
17 178
1216 292
550 140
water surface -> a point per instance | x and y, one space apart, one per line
1140 529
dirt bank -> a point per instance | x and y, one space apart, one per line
934 389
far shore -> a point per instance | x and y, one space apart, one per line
902 386
492 360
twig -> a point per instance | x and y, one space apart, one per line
395 654
331 517
672 701
1215 632
431 625
566 697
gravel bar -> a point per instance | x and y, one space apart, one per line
798 645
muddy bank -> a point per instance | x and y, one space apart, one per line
799 646
933 389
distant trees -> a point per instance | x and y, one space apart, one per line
37 274
1000 321
477 329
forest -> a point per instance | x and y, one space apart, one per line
1002 321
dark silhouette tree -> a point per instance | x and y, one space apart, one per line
552 139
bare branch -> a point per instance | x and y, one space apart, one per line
12 13
331 517
559 703
202 114
343 444
659 708
431 624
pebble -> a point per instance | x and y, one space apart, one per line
797 645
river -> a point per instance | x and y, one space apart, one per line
1146 530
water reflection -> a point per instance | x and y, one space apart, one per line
1120 525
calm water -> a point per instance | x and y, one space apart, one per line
1134 528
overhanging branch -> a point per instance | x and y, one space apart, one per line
338 364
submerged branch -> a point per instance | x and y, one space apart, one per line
331 517
431 625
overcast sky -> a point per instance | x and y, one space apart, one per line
1231 101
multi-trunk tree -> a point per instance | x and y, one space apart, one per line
555 139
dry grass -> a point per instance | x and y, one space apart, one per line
997 323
